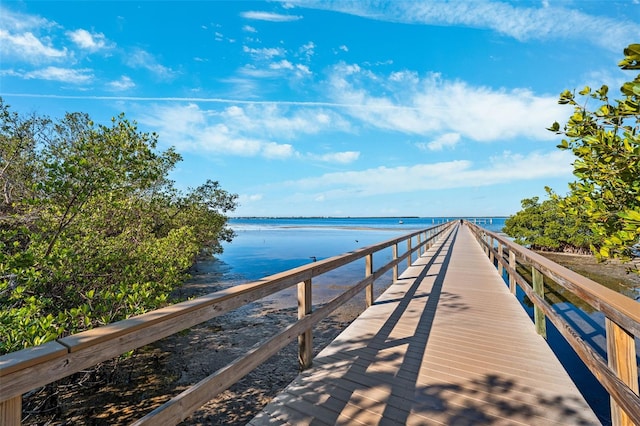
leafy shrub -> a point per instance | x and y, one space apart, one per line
92 231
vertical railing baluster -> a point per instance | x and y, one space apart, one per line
11 411
492 256
427 239
512 273
394 249
538 314
621 357
305 340
500 259
409 252
426 242
419 244
369 272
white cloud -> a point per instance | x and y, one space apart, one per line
268 16
19 22
66 75
248 131
345 157
404 102
302 70
404 77
28 47
435 176
275 150
271 62
283 64
139 58
26 37
282 123
264 53
344 48
124 83
192 129
516 21
307 50
448 140
297 70
249 29
92 42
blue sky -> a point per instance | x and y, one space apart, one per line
329 108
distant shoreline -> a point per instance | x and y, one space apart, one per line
368 217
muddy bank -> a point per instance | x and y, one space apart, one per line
123 390
612 274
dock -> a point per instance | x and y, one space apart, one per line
446 344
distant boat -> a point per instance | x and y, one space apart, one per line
400 222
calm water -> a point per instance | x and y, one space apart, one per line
265 246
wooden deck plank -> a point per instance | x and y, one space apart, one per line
446 344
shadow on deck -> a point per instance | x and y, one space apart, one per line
445 344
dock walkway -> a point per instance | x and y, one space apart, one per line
446 344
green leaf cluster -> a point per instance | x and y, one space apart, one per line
544 226
91 229
603 134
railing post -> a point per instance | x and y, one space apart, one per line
419 245
500 259
538 314
492 257
369 272
305 340
11 411
409 252
512 276
394 249
621 357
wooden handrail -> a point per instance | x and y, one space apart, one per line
24 370
619 373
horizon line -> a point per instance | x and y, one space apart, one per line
369 217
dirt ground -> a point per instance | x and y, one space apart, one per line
123 390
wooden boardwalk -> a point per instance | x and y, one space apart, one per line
447 344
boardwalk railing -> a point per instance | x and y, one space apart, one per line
618 374
28 369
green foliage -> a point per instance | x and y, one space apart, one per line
544 226
605 140
91 229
